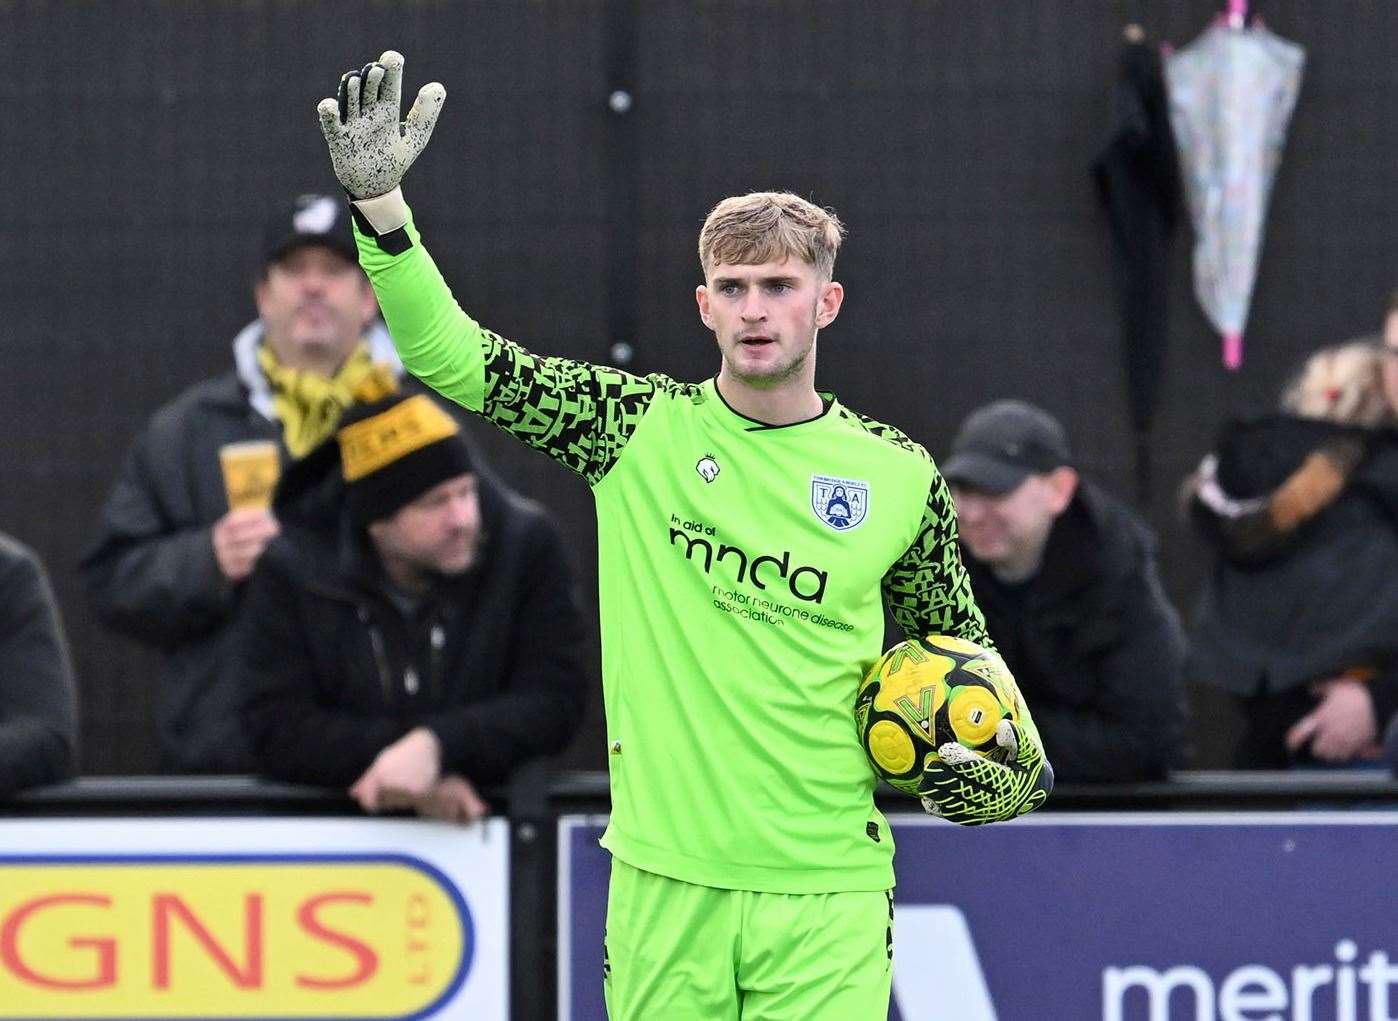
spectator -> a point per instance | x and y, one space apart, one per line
1066 576
171 557
1299 615
1387 461
417 637
38 705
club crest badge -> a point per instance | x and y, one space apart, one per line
842 504
707 468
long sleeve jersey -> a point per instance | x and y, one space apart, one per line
743 570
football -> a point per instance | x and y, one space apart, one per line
923 693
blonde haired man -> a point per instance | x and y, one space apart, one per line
751 872
765 225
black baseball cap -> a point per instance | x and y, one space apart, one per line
310 219
1002 444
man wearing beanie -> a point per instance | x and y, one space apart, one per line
414 631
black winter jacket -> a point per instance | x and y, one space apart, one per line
331 671
151 573
38 703
1288 604
1094 644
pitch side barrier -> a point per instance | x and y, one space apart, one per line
1214 896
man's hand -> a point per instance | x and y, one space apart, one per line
1342 727
370 149
971 789
239 538
401 774
453 799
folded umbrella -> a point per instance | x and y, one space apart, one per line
1232 92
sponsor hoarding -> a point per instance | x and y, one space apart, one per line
1181 917
252 918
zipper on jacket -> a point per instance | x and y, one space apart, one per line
380 655
438 639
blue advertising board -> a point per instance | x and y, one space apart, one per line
1202 917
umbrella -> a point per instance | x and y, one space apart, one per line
1232 91
1138 183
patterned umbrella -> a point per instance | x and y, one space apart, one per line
1232 91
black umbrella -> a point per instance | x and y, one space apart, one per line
1138 183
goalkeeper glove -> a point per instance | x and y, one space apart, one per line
369 148
971 789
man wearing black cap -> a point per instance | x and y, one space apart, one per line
414 631
177 536
1067 579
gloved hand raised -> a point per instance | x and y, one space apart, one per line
971 789
370 149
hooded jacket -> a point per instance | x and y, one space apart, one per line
332 669
1094 644
151 573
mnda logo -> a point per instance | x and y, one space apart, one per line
805 583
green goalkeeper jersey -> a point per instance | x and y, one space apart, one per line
743 570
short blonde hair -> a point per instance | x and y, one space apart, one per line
1340 384
770 226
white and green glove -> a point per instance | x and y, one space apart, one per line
971 789
370 148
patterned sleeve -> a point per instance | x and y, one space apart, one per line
579 414
928 589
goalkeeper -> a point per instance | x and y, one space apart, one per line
751 873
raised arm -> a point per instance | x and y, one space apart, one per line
579 414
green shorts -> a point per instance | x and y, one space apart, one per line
682 952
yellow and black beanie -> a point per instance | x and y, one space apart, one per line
394 450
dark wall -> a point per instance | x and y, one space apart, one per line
143 142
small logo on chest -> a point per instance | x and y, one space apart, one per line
843 504
707 468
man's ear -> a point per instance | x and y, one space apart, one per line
701 297
832 296
1063 485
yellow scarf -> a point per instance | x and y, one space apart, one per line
309 406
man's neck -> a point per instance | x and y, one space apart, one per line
405 576
795 401
1016 572
316 360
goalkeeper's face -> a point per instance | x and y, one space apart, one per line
765 317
